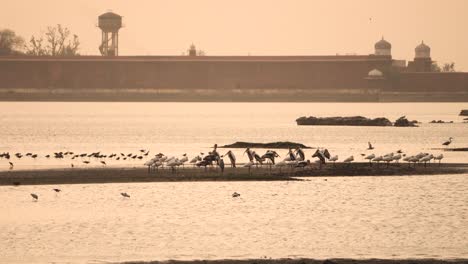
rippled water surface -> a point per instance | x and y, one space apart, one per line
358 217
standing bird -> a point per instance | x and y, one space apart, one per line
232 158
290 156
370 158
349 160
34 196
221 164
439 157
446 143
249 154
300 154
370 146
258 158
271 155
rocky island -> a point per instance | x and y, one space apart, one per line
272 145
342 121
353 121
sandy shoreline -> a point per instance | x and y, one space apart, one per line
310 261
141 174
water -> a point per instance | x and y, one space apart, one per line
178 128
354 217
349 217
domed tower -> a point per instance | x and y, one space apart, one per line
383 48
422 51
422 59
192 50
110 23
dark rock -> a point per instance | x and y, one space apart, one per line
342 121
464 112
272 145
440 122
404 122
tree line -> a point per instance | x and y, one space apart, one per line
56 41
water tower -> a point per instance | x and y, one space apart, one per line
110 23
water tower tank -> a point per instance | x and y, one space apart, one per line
110 23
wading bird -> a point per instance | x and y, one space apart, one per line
300 154
448 142
232 158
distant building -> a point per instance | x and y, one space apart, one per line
422 59
383 48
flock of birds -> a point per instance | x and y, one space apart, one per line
84 158
293 158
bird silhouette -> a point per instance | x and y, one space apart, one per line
56 190
124 194
34 196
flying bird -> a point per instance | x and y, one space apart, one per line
34 196
235 194
56 190
124 194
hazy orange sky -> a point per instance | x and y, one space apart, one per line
257 27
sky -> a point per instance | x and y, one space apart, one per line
256 27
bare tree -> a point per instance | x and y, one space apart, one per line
10 43
449 67
435 67
57 41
